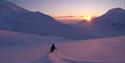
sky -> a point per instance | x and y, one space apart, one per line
70 8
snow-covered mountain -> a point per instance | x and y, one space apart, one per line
26 37
7 8
112 23
112 17
15 18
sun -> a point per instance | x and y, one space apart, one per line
87 18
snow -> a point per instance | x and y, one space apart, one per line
35 49
109 50
9 38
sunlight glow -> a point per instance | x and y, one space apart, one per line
87 18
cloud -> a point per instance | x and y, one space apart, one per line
64 16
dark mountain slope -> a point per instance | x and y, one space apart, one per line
15 18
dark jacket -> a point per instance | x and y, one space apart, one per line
53 48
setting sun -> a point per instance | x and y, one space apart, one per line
88 17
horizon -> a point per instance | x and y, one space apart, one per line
63 10
62 31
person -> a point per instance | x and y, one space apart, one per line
53 48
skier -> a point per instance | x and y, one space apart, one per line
53 48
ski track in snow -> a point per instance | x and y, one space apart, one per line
66 59
56 57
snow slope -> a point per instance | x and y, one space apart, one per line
9 38
107 50
35 49
23 48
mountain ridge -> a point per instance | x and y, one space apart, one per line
36 23
111 23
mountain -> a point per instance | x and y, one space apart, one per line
115 15
112 23
114 19
15 18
